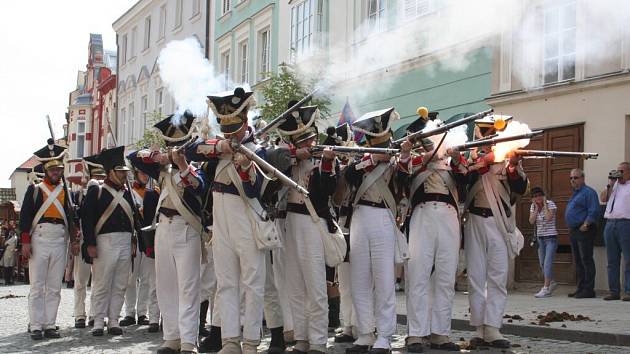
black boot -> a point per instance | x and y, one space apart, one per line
333 312
212 343
203 313
277 345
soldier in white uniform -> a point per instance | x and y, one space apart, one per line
434 239
45 225
373 233
179 236
491 236
305 262
238 263
108 233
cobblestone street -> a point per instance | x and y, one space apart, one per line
14 339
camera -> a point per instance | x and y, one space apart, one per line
614 174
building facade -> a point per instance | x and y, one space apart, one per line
141 33
579 96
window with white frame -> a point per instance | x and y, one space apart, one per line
195 7
80 138
225 6
147 32
225 66
264 53
134 35
559 42
178 13
415 8
132 121
375 16
144 106
162 27
243 53
159 100
306 21
123 49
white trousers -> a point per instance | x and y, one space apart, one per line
110 274
239 266
150 306
272 308
433 240
46 268
306 276
372 243
344 276
208 288
487 262
137 293
81 273
279 257
177 273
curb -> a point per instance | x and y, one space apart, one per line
545 332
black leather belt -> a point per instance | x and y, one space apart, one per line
168 212
436 197
224 188
56 221
372 204
297 208
483 212
345 210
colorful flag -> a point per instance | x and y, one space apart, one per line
347 116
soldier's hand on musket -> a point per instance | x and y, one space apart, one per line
454 154
91 250
405 147
180 160
328 154
303 153
515 158
242 161
26 250
161 158
225 147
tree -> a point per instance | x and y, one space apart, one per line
151 136
284 87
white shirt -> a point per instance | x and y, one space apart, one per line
618 206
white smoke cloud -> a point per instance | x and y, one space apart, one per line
513 128
452 30
454 137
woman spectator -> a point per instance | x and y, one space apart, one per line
542 214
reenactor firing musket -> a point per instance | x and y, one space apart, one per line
281 118
355 150
543 154
494 141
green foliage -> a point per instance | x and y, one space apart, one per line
284 87
151 136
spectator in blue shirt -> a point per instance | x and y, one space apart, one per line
581 214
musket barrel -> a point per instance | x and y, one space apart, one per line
494 141
553 154
441 129
356 149
279 119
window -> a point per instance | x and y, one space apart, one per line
376 16
195 7
178 13
306 19
147 32
225 66
264 53
225 7
80 138
123 49
243 62
415 8
123 119
132 119
162 21
559 42
134 34
159 100
144 106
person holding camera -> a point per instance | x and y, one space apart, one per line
617 231
542 214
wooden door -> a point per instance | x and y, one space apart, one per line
553 176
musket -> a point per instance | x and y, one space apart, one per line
494 141
72 216
441 129
282 117
554 154
355 150
268 168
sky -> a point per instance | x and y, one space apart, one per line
43 44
